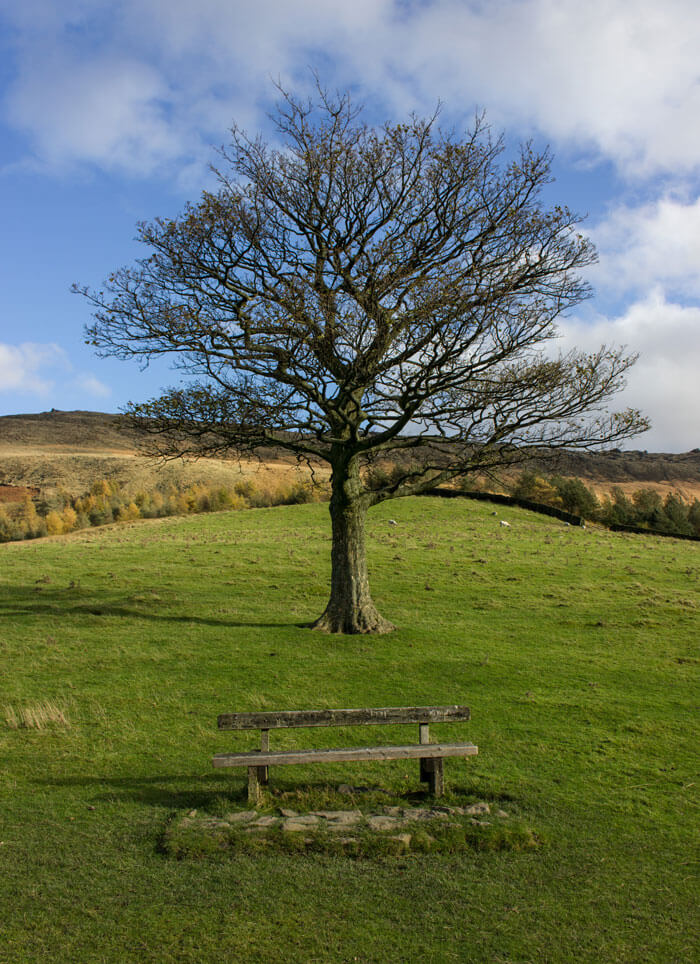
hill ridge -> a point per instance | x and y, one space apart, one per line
81 431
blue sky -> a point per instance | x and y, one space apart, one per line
110 113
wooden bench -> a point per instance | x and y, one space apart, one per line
430 755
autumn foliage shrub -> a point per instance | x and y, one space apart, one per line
107 501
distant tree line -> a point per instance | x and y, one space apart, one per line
646 509
108 502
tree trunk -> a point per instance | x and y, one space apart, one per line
350 608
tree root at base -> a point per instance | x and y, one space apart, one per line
352 625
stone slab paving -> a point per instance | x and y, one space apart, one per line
387 820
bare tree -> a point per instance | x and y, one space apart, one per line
356 295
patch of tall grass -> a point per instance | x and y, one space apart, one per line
35 716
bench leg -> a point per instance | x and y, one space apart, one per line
432 772
436 783
258 775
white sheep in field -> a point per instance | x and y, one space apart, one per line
504 523
393 522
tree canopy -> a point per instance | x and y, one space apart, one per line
362 295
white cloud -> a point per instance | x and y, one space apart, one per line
23 367
157 82
653 245
137 84
664 383
617 78
108 112
92 386
43 370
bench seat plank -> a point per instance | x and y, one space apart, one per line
272 720
280 757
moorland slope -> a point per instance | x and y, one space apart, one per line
70 450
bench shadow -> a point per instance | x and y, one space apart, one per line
183 791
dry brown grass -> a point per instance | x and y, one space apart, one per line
36 716
68 451
688 491
74 473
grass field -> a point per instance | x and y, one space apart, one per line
576 649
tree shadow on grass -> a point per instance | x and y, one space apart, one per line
34 601
169 791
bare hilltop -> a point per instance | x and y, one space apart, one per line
69 451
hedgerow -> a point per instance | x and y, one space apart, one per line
646 509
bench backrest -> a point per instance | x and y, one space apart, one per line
274 720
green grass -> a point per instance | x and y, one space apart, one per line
576 649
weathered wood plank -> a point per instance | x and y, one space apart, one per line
272 720
349 754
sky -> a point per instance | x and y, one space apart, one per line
111 112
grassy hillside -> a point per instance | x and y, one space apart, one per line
576 649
